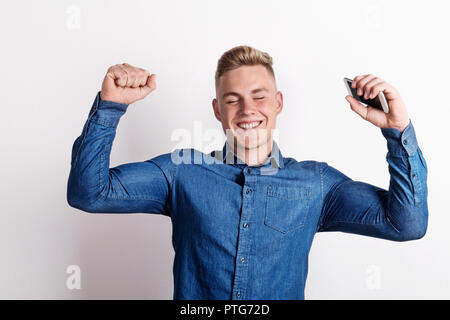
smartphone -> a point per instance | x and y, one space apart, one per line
379 102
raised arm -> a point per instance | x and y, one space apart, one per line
128 188
400 213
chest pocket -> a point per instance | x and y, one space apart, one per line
287 207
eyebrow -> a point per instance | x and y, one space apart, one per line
232 93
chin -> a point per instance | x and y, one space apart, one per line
251 142
248 139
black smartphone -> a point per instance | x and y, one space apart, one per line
378 102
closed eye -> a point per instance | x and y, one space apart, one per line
259 98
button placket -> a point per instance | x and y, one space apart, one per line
244 238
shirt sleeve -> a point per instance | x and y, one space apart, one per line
138 187
399 214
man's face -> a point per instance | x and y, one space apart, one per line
247 103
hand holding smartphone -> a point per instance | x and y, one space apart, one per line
379 102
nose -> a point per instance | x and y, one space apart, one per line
248 107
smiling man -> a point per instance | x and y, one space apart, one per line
247 103
244 217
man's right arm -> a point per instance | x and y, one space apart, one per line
128 188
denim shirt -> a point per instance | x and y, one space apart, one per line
239 231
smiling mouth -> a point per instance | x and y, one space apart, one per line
247 125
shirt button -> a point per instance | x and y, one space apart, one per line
405 141
238 294
414 175
245 225
248 191
242 259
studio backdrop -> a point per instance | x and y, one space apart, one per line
53 59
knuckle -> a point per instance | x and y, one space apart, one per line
123 79
140 73
120 75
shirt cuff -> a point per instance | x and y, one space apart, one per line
106 112
401 144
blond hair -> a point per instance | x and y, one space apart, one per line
242 56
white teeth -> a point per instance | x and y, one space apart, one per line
249 125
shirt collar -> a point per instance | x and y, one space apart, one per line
275 159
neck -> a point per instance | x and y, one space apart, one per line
253 156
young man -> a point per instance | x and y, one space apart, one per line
244 217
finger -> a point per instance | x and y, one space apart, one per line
136 80
150 85
356 79
151 82
390 92
357 107
362 82
368 86
134 74
118 75
377 88
125 78
131 74
143 77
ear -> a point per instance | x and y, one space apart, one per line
279 99
215 105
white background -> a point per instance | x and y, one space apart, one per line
54 55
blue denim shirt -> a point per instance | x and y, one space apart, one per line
239 231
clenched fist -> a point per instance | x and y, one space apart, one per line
124 83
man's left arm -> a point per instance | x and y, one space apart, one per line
400 213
